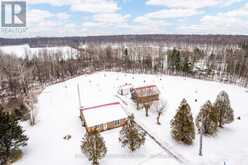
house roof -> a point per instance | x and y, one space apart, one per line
145 87
102 114
149 90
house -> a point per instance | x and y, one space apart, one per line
125 89
103 117
145 95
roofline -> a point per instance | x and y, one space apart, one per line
149 86
99 106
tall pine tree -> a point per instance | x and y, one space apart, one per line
12 136
182 125
225 111
131 135
93 146
207 119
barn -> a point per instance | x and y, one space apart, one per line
145 95
103 117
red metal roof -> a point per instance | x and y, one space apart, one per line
99 106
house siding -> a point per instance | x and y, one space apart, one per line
110 125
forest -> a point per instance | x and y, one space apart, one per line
20 75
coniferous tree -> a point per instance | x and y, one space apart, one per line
207 119
131 135
182 125
12 136
93 146
173 59
225 111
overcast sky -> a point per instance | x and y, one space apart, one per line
108 17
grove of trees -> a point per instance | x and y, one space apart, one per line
210 117
19 75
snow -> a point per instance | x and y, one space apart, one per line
108 112
18 50
59 116
126 87
23 50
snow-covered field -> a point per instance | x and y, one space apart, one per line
59 116
23 50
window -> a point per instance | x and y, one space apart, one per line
97 127
117 122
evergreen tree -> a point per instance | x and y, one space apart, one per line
182 124
186 65
177 60
131 135
12 136
225 111
174 60
207 119
93 146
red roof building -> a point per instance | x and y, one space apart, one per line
103 117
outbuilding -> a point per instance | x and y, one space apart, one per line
103 117
145 95
125 89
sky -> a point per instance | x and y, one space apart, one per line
111 17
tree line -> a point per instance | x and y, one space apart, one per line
19 75
118 39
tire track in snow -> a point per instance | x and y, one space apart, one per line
151 157
166 147
176 156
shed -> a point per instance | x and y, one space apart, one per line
103 117
125 89
145 95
